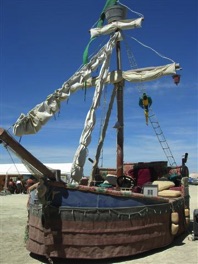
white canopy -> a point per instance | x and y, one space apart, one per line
20 169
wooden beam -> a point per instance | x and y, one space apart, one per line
25 154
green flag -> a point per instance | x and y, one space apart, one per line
99 24
102 16
85 53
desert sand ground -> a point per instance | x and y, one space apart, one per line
13 218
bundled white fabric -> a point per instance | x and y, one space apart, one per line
138 75
38 116
122 24
149 74
81 153
41 113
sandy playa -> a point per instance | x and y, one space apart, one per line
13 220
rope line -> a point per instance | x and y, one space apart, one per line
135 12
146 46
12 160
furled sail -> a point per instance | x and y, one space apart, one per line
112 27
138 75
38 116
41 113
85 139
149 74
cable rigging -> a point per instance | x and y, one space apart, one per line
150 114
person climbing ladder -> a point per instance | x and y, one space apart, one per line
145 102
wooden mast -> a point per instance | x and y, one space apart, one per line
116 13
120 118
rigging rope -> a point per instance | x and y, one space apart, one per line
135 12
12 160
133 64
103 120
9 153
159 133
33 170
29 167
103 131
146 46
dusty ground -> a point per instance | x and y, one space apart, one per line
13 217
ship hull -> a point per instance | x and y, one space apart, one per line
83 232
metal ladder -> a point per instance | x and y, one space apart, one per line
152 117
161 138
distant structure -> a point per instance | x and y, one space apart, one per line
16 170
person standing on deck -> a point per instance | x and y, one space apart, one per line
11 186
19 186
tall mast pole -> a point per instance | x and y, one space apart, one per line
120 116
116 13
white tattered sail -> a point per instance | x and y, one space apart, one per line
81 153
41 113
149 74
112 27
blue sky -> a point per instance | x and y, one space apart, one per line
42 43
